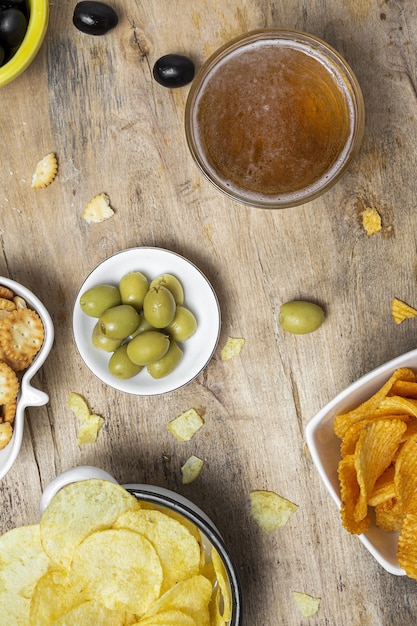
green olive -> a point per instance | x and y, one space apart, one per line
159 307
98 299
133 287
300 317
101 342
119 322
183 325
121 366
172 283
164 366
148 347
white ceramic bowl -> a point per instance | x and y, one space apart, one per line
199 297
162 497
28 395
325 451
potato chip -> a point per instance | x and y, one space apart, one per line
375 451
53 597
388 515
79 406
22 563
401 311
191 596
224 600
307 604
191 469
270 510
88 431
406 476
168 618
119 568
91 612
45 171
186 425
232 348
78 510
349 495
396 405
98 209
405 389
344 421
384 488
407 545
177 549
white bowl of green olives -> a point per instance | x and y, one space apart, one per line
146 321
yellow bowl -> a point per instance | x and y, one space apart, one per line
28 49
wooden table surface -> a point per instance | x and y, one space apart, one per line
93 101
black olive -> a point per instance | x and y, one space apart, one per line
173 70
94 18
13 27
2 55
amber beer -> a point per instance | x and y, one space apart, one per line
273 120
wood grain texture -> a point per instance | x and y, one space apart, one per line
93 101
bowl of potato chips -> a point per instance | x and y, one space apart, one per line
117 555
26 338
146 321
364 445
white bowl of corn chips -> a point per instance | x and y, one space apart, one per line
26 338
199 297
370 466
115 554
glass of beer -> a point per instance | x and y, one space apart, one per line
274 118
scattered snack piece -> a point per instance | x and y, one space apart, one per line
100 556
371 221
191 469
308 605
380 469
401 311
79 406
89 429
233 347
98 209
45 171
270 510
91 423
186 425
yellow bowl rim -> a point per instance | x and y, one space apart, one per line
37 26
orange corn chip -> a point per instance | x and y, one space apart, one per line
342 422
384 488
349 493
407 545
375 450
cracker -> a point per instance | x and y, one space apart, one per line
45 171
6 432
7 305
21 335
5 292
9 384
8 412
20 302
98 209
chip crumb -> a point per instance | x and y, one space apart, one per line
371 221
307 604
191 469
185 425
270 510
401 311
233 347
89 429
45 171
98 209
79 406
